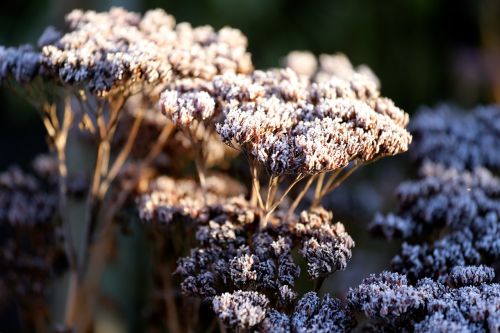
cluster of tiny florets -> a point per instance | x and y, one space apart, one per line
292 126
23 200
117 50
242 309
233 254
325 246
458 139
311 314
467 204
168 199
392 303
19 63
327 66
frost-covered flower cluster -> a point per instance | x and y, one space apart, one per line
291 126
233 255
168 199
458 139
392 303
120 49
461 208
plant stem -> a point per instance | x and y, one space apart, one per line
301 195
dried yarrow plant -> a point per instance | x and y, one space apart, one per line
151 95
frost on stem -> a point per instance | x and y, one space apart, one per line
458 139
460 207
392 303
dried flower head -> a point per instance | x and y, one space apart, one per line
327 66
120 50
168 198
291 126
326 247
23 200
22 64
241 309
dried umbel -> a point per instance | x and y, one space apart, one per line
325 246
461 207
278 119
121 50
458 139
391 303
22 64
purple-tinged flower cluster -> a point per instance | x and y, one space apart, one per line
462 207
120 50
168 199
311 314
391 303
454 138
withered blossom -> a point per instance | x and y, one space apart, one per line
241 309
22 64
168 199
24 200
311 314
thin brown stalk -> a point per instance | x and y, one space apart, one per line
301 195
123 155
341 179
268 212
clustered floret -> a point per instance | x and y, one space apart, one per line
118 50
458 139
466 204
311 314
327 66
234 254
325 246
23 199
168 199
392 303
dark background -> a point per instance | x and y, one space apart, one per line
424 51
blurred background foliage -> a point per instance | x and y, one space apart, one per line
424 51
